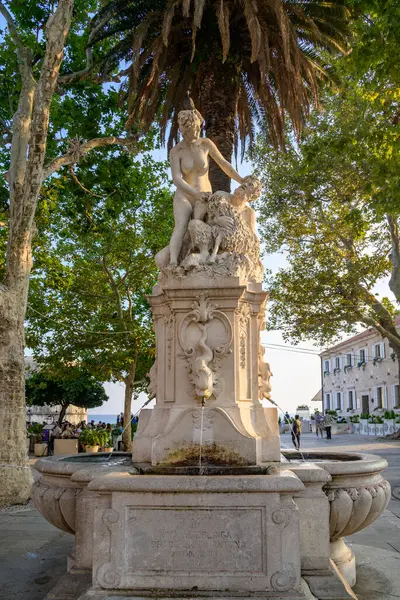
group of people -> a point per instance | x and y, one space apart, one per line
323 424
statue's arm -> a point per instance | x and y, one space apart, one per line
178 180
224 165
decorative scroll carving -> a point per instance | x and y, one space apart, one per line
110 517
243 313
203 363
169 320
108 576
285 580
281 517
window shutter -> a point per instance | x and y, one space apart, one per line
358 402
383 350
393 387
375 397
385 400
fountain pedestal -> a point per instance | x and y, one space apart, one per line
193 536
208 346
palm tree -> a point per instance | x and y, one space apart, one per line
246 62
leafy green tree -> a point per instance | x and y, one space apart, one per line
37 120
66 386
94 264
246 62
332 202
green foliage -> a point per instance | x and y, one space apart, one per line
94 265
93 437
389 414
239 47
65 386
331 412
36 430
364 416
354 419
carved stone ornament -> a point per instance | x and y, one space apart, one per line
57 504
108 576
203 363
285 580
206 422
110 517
169 320
354 508
243 314
281 517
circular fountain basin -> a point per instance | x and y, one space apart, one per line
357 492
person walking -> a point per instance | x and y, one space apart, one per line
319 424
328 420
296 432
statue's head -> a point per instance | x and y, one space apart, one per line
249 191
190 122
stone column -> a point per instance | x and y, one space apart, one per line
207 377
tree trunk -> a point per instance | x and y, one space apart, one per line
62 413
129 385
15 474
25 179
217 102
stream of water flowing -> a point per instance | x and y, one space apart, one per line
203 402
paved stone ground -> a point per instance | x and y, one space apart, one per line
378 571
33 553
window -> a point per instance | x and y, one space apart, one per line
327 401
338 400
327 367
349 362
362 357
379 397
378 352
338 364
395 395
350 399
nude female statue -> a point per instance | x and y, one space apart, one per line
190 166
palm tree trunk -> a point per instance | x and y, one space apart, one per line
217 101
129 384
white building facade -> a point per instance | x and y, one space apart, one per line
361 375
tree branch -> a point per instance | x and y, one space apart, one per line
394 283
13 30
75 154
382 330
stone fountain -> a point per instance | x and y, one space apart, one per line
207 507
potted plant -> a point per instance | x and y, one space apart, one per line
90 440
342 425
380 424
35 430
372 426
364 423
397 424
389 419
105 440
355 424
